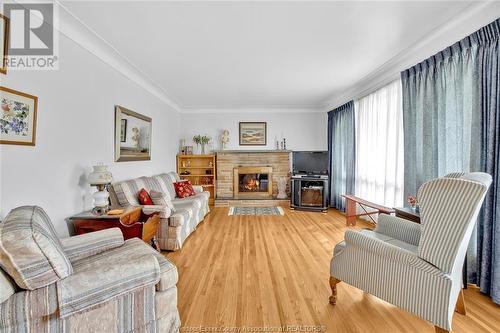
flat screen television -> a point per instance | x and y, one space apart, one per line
310 162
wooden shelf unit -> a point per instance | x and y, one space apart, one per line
198 166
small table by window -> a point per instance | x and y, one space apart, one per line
407 214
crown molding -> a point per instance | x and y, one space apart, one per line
79 32
474 17
253 109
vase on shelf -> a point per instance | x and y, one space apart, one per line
202 149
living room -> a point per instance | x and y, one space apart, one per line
259 166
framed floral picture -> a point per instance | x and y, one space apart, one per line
4 42
17 117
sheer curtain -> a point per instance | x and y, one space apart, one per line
379 146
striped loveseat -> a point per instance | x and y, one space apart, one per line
417 267
95 282
179 216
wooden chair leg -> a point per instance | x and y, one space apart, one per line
440 330
460 306
333 285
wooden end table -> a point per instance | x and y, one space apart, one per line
407 214
132 222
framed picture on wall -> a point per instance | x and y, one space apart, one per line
17 117
132 137
253 133
4 42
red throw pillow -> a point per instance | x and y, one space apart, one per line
184 189
144 198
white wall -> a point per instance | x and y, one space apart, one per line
303 131
75 129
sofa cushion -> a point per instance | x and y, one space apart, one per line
196 201
168 271
161 199
174 177
7 287
163 183
30 251
372 234
100 278
127 191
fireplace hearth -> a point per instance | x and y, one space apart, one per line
252 181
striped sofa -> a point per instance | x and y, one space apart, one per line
179 216
417 267
95 282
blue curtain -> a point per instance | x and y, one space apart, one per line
488 254
341 152
452 123
441 117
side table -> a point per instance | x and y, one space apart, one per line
407 214
132 222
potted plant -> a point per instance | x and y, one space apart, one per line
197 141
412 201
205 140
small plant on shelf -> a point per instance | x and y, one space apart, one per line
197 141
205 140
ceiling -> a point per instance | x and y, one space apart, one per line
285 54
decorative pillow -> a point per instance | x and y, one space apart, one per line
30 251
161 199
144 198
184 189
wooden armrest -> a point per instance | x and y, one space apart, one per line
131 217
150 227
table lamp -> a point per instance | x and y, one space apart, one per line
100 177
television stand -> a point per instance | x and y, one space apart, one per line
310 192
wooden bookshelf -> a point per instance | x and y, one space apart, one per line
199 171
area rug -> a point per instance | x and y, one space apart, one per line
256 211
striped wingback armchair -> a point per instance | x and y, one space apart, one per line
417 267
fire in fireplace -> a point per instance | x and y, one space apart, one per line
253 182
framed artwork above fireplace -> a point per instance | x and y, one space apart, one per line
253 133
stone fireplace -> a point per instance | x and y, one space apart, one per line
253 182
239 183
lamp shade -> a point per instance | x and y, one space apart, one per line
100 175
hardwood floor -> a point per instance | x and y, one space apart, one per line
272 271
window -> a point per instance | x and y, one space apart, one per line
379 146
